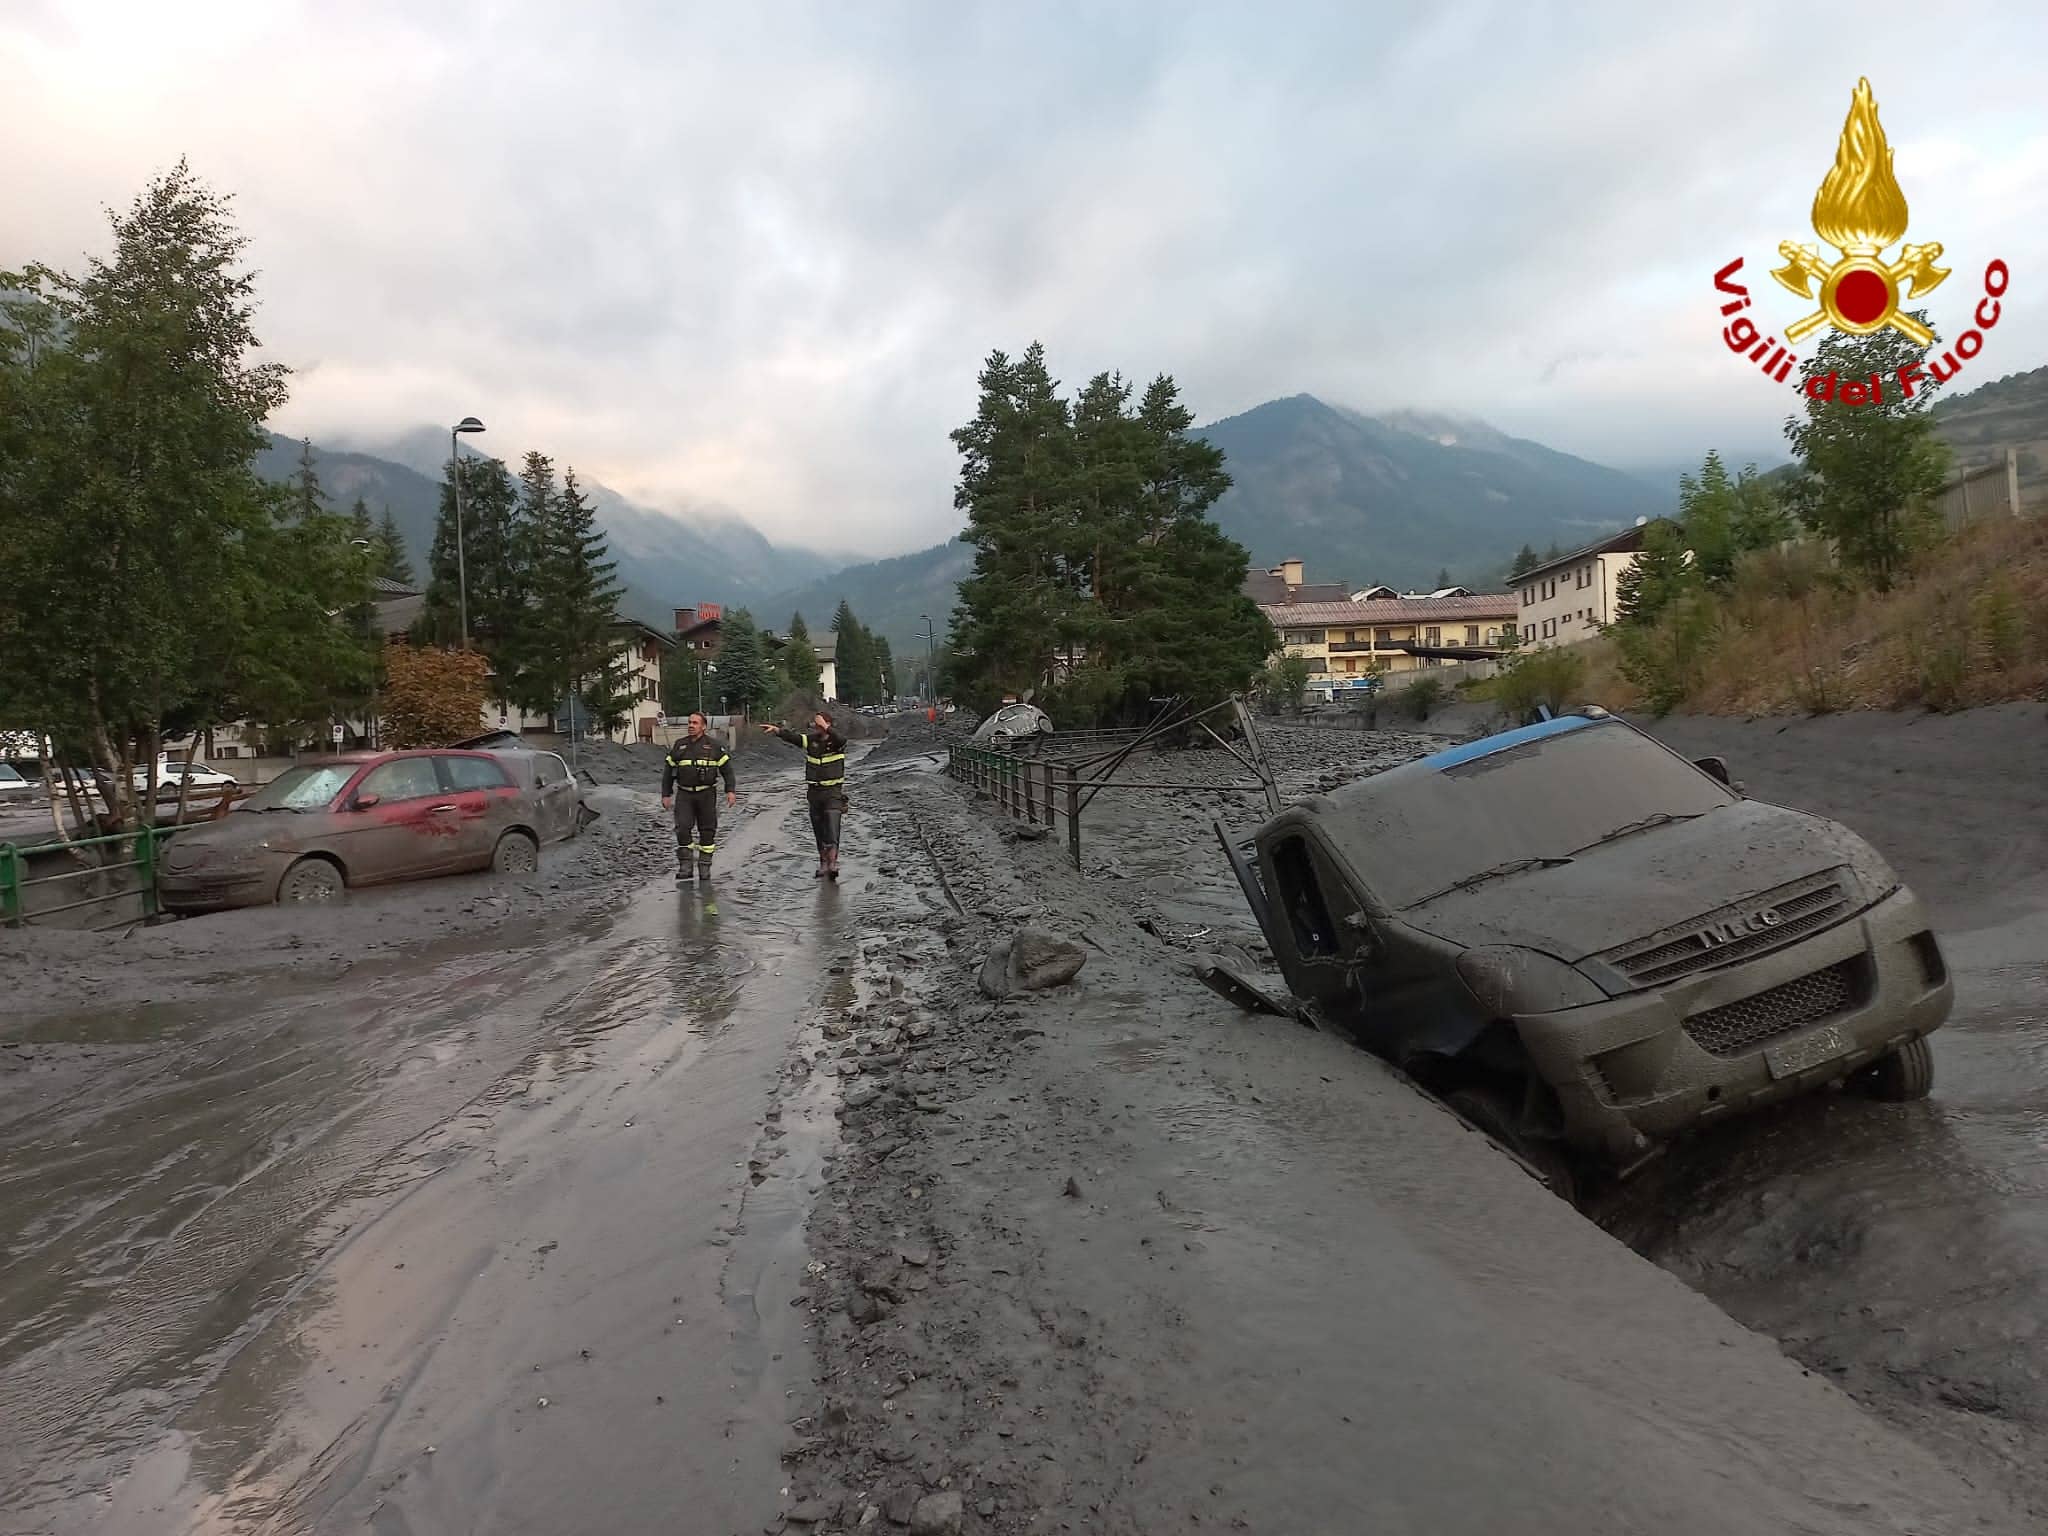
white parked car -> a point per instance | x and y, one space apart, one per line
171 777
14 787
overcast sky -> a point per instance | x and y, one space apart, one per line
751 255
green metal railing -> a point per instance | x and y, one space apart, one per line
14 881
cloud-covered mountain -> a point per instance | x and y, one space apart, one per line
666 561
1397 497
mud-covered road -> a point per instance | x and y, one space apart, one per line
484 1240
755 1214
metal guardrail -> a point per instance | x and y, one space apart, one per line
148 843
1035 790
1064 773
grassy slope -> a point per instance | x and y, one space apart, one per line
1970 627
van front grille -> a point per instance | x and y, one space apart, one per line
1743 932
1736 1028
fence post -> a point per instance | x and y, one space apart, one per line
10 885
1073 818
145 864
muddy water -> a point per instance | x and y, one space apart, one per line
507 1242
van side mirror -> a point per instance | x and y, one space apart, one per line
1715 767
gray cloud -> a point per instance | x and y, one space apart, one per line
753 256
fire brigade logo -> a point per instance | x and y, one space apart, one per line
1860 210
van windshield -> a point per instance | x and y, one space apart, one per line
301 789
1413 835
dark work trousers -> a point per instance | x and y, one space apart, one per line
826 805
696 827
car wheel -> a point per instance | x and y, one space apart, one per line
517 854
1487 1110
1905 1075
310 881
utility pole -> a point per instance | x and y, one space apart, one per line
467 424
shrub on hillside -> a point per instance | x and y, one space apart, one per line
1554 678
1668 660
1421 697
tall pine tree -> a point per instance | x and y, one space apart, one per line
575 594
491 547
1658 577
392 561
1015 486
858 668
1098 572
800 661
885 670
308 494
744 680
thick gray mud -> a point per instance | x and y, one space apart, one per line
503 1240
1121 1258
752 1213
1901 1250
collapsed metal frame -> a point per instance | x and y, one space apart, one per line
1047 778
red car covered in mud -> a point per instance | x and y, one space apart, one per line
368 818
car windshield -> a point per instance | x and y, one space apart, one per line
301 789
10 776
1523 808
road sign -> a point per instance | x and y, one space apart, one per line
336 733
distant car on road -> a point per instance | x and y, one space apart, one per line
1586 945
327 826
172 777
15 787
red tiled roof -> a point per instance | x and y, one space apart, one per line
1392 610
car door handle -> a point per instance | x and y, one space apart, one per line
444 810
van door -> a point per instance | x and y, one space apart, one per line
1321 923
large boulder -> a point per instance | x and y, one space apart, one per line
1039 960
1031 962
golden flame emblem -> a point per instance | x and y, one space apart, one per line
1859 210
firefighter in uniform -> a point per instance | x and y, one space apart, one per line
689 783
824 785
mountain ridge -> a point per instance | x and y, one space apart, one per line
1394 498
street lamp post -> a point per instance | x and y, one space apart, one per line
467 424
702 668
931 679
369 641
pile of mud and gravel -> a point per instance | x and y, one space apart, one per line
190 958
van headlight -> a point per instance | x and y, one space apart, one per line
1506 980
1876 877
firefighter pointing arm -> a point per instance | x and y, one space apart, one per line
824 752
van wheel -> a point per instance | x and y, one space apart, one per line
310 881
1488 1110
517 854
1905 1075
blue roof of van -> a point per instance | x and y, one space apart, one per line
1486 746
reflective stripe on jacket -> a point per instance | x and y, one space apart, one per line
694 765
824 757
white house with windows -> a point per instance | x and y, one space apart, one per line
638 652
1570 598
